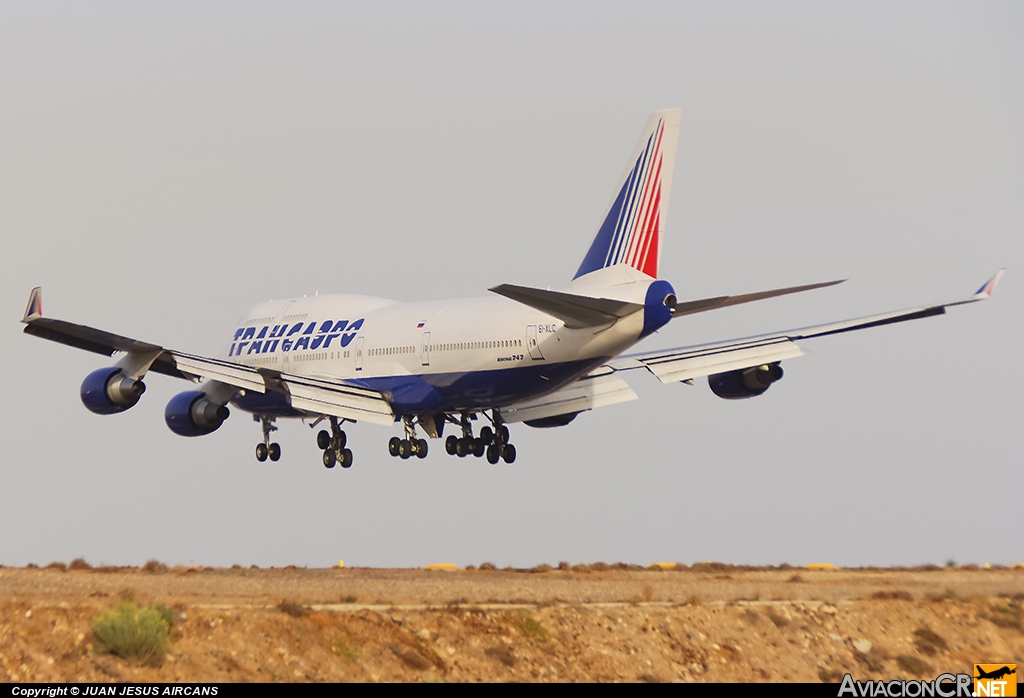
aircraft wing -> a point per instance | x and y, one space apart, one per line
686 363
315 395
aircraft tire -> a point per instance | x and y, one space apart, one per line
487 436
450 444
421 448
404 449
346 458
329 459
493 454
509 453
394 445
503 434
274 452
261 452
461 448
323 440
342 439
479 447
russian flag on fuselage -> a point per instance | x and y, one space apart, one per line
631 232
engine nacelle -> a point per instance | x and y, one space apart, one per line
193 413
109 391
745 382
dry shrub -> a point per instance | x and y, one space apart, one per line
581 568
126 594
795 579
914 665
693 600
532 629
79 563
292 609
541 568
488 567
501 654
57 566
138 635
648 592
928 641
564 566
343 647
154 567
31 566
599 567
898 595
349 599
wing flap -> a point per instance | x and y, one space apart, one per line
671 367
599 389
215 369
335 399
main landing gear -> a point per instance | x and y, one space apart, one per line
332 443
493 442
266 449
410 445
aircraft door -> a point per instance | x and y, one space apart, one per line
531 342
425 350
359 353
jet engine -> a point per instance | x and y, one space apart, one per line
193 413
745 382
109 391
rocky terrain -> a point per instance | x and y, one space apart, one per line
585 623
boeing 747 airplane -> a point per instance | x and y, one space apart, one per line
521 354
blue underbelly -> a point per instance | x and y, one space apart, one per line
445 392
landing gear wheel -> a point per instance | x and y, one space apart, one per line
342 439
329 458
503 434
478 447
261 452
346 458
493 454
323 440
394 445
450 444
462 448
486 435
421 448
274 452
404 449
509 453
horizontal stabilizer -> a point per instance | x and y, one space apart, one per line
575 311
690 307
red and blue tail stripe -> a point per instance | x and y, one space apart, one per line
631 232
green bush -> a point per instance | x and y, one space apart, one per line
139 635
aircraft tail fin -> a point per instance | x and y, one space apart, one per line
631 231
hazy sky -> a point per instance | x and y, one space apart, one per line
164 166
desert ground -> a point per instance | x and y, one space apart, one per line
708 622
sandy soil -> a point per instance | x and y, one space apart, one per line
707 623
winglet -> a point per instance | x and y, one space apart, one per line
990 286
34 310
